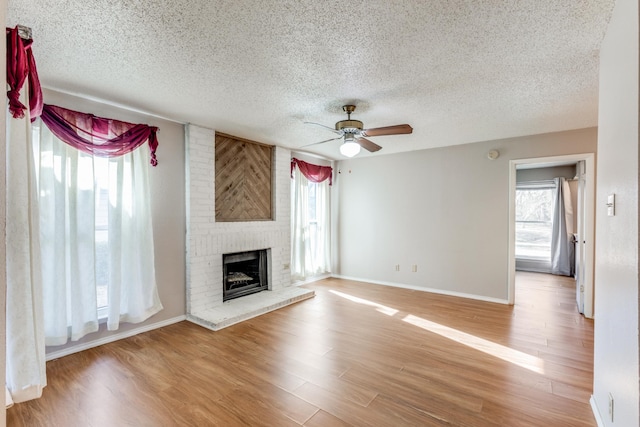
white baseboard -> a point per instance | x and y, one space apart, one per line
114 337
425 289
596 412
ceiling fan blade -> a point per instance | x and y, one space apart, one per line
323 126
389 130
321 142
368 145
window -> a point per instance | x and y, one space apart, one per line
101 177
311 225
314 204
534 220
96 238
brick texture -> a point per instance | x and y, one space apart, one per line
207 240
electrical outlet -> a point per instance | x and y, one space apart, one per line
397 267
611 406
414 268
285 266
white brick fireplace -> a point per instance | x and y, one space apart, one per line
208 240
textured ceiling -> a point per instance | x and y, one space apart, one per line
458 71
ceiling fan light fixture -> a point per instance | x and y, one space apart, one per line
349 148
355 135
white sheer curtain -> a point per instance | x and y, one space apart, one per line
311 227
25 357
67 184
67 208
133 295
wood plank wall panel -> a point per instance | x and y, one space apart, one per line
243 179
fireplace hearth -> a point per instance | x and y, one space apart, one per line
245 273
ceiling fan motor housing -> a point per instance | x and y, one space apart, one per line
352 126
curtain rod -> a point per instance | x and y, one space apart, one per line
24 32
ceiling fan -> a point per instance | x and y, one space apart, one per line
354 135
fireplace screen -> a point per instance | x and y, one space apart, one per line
245 273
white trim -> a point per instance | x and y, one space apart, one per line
596 412
425 289
511 239
187 212
590 194
114 337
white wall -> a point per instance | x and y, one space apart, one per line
168 210
444 210
3 223
616 271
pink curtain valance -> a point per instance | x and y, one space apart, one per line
98 136
313 173
22 66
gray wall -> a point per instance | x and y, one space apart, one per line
541 174
616 358
168 207
444 210
311 159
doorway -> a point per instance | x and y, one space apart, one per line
585 167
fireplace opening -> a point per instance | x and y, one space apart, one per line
245 273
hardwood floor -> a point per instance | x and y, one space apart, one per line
356 354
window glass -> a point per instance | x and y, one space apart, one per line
313 191
101 166
534 214
92 171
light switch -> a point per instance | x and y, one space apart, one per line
611 205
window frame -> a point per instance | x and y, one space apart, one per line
544 185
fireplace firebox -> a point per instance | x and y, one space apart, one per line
245 273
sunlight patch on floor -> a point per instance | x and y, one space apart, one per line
507 354
379 307
524 360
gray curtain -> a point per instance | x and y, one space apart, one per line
561 241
